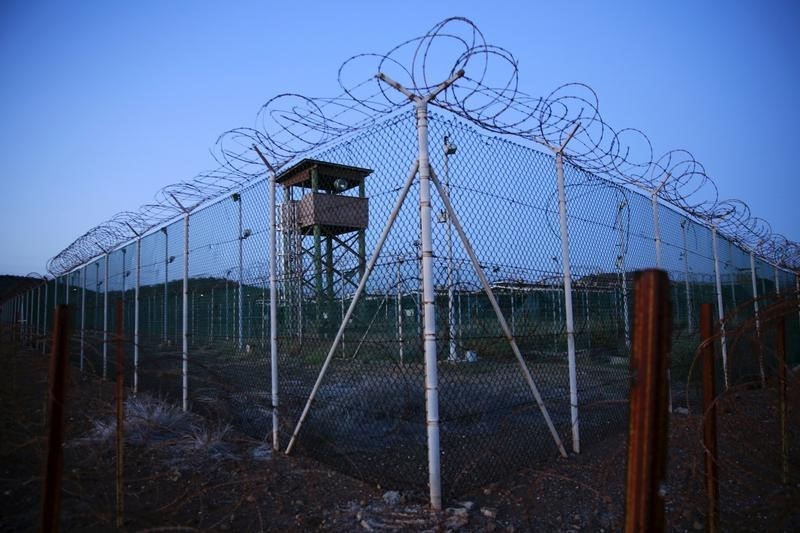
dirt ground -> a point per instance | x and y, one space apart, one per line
186 473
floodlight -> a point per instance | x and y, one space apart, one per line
340 184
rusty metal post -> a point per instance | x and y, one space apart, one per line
647 435
780 349
709 416
120 397
51 502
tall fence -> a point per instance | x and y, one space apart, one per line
196 298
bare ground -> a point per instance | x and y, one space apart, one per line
185 473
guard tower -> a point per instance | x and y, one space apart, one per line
323 219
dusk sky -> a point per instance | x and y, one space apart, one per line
104 103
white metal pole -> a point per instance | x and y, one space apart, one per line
105 320
83 316
428 294
573 378
689 319
166 281
623 250
273 307
136 316
429 310
66 288
38 312
46 312
656 227
449 149
758 319
185 356
238 200
400 309
720 309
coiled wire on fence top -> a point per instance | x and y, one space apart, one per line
289 126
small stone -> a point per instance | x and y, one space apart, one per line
681 410
250 498
698 526
489 512
458 517
366 525
467 505
392 498
261 453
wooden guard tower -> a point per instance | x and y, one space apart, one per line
324 219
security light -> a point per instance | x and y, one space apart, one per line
449 148
340 184
246 233
235 197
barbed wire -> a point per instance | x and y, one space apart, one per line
289 126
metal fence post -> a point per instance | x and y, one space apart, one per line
83 316
51 502
720 308
780 349
428 293
757 317
46 310
570 323
185 356
777 282
648 426
709 417
690 321
136 315
236 197
105 319
273 297
119 341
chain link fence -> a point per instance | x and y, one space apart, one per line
196 299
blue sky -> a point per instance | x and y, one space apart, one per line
104 103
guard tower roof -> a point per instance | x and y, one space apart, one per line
299 175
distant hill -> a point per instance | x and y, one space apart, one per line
10 286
